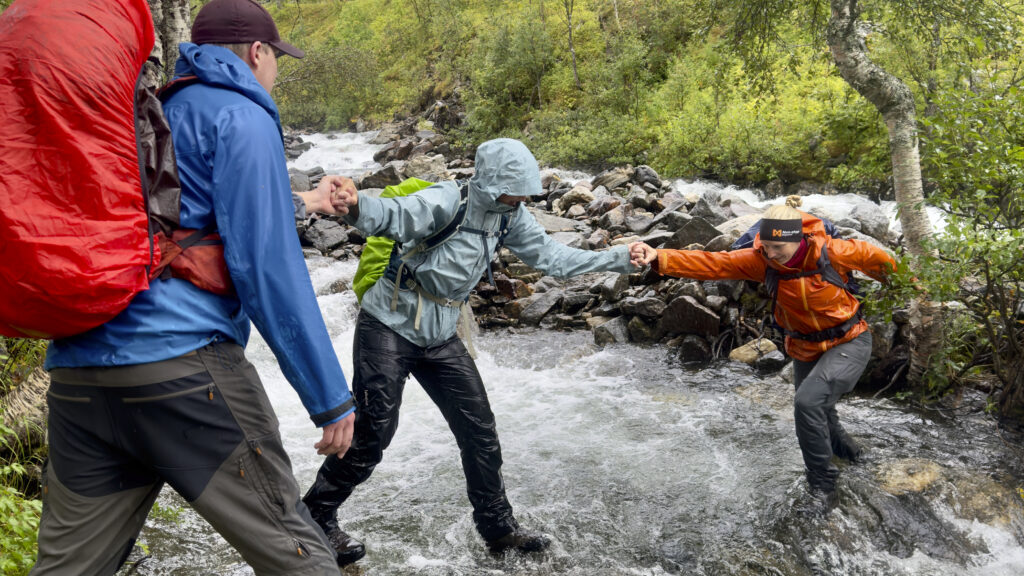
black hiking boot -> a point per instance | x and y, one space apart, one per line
347 548
849 450
824 500
520 540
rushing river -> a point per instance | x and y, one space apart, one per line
637 465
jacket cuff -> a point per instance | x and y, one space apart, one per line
324 418
300 207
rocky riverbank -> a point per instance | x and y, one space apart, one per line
697 320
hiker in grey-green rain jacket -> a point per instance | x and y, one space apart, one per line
453 269
412 330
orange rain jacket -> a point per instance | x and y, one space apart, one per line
809 304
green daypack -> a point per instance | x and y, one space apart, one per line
377 251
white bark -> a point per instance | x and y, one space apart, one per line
173 23
891 97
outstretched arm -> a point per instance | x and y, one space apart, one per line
401 218
863 256
252 206
531 243
743 264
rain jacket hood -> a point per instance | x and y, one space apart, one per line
503 166
220 67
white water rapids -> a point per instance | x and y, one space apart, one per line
635 465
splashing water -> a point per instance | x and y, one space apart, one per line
637 465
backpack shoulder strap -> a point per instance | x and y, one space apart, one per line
830 275
824 267
167 90
448 230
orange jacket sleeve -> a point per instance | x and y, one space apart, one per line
863 256
744 264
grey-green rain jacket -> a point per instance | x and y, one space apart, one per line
452 270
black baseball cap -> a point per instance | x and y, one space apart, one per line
236 22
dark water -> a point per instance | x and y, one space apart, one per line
637 465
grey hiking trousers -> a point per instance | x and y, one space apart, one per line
819 385
201 423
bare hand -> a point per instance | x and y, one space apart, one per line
319 199
640 254
337 437
344 198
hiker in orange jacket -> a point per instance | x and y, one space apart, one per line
805 271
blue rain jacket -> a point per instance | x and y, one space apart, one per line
503 166
227 138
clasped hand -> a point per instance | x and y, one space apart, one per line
640 254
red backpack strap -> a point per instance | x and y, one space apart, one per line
167 90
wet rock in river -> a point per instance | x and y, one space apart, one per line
695 231
750 352
613 331
538 306
911 475
326 235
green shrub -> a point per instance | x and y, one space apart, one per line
18 357
21 518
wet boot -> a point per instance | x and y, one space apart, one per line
822 491
347 548
845 447
823 500
521 540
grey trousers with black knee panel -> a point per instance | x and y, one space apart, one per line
201 423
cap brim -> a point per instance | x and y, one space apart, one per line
287 48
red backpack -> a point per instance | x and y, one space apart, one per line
89 190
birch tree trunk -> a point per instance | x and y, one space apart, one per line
568 4
173 23
846 36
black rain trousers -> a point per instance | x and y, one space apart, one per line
383 360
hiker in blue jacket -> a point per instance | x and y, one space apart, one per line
412 329
163 393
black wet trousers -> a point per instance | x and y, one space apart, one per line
819 385
383 361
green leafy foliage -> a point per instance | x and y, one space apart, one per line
975 156
18 357
659 84
21 518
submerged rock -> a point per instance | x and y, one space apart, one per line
911 475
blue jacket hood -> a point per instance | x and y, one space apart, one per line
218 66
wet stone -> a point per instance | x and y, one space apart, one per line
770 362
752 351
685 315
650 308
696 231
326 235
613 286
573 302
639 331
613 331
693 348
538 306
